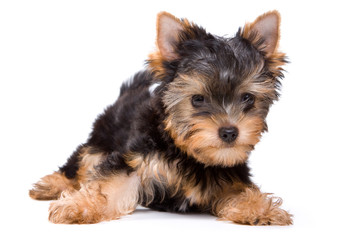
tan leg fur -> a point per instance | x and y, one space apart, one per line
252 207
98 200
51 186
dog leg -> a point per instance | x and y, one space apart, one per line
98 200
51 186
80 167
251 207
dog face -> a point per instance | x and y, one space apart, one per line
217 91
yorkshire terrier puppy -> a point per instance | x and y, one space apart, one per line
179 136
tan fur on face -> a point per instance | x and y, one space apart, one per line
98 200
266 88
251 207
206 146
198 136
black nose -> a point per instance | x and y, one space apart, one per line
228 134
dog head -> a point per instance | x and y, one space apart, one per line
217 91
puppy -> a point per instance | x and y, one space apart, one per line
179 135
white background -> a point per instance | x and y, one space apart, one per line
62 62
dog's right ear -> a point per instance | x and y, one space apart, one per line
168 29
266 27
264 34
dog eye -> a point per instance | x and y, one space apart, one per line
197 100
248 99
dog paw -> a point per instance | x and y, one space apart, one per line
273 215
50 187
253 208
60 212
74 210
268 214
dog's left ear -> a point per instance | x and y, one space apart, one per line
168 28
267 27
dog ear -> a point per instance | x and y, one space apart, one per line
168 29
267 27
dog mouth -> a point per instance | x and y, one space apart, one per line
231 145
227 146
247 148
223 156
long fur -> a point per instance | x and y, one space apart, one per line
169 151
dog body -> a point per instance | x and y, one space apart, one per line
180 133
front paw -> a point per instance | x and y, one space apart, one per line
73 210
254 208
273 215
